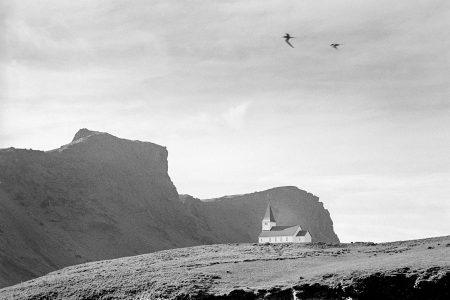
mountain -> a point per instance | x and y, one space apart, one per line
238 218
102 197
408 270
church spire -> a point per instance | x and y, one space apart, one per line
269 214
269 220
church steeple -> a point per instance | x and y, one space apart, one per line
269 214
269 220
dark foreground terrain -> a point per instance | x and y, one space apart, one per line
418 269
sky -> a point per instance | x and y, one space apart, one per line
365 127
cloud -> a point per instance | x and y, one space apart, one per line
235 116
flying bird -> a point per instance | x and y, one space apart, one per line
335 46
287 37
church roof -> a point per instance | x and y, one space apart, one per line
280 231
302 233
269 214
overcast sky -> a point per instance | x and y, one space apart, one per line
365 127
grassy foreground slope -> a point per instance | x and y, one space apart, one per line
418 269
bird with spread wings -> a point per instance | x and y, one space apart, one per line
335 46
287 37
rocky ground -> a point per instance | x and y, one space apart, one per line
418 269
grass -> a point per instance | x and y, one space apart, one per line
222 269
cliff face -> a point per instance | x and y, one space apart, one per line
98 197
102 197
238 218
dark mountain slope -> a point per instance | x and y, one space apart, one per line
95 198
103 197
238 218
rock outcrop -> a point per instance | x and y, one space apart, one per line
238 218
102 197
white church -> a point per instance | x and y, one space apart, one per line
271 233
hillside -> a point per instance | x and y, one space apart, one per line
417 269
95 198
238 218
102 197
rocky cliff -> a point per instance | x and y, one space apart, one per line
238 218
102 197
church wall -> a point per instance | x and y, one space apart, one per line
276 239
267 225
286 239
303 239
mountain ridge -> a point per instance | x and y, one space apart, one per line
102 197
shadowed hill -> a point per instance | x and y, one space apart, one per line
238 218
100 197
